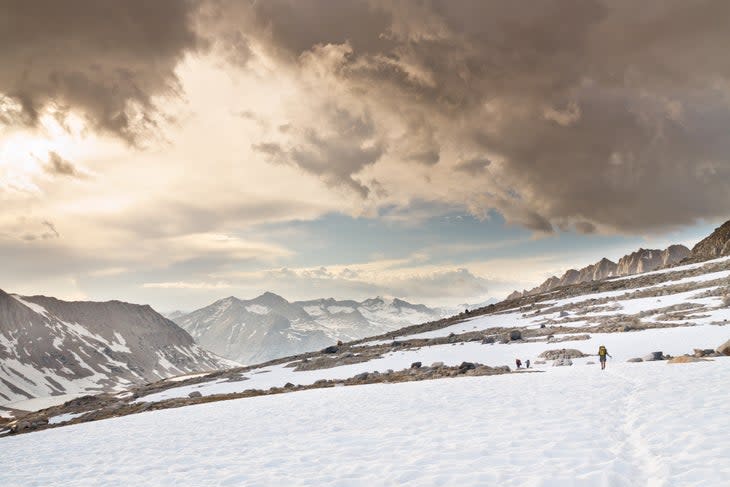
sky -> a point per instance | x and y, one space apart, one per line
174 153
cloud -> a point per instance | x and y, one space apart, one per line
609 122
106 59
185 285
474 166
57 165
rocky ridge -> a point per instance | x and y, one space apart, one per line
643 260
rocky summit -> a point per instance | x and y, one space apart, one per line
715 245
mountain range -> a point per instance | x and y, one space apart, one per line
50 347
643 260
269 326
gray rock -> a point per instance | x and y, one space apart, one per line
653 356
488 340
416 365
195 394
436 365
635 360
515 335
466 366
561 353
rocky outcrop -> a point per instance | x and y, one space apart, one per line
724 349
646 260
714 246
567 353
643 260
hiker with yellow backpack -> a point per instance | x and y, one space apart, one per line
602 354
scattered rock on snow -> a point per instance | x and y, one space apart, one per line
724 349
416 365
195 394
686 359
635 360
561 362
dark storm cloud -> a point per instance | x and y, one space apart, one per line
601 114
96 56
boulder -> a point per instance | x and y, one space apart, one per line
436 365
561 353
195 394
686 359
703 352
362 376
564 314
331 349
289 385
634 360
416 365
653 356
466 366
515 335
724 349
488 340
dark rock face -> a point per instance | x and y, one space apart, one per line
714 246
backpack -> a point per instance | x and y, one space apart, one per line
602 351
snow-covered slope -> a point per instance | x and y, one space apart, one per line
269 326
634 425
50 347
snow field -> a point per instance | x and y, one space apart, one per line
621 346
648 424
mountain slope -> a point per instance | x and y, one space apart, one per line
269 326
53 347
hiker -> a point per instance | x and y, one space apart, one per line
602 354
527 363
518 363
